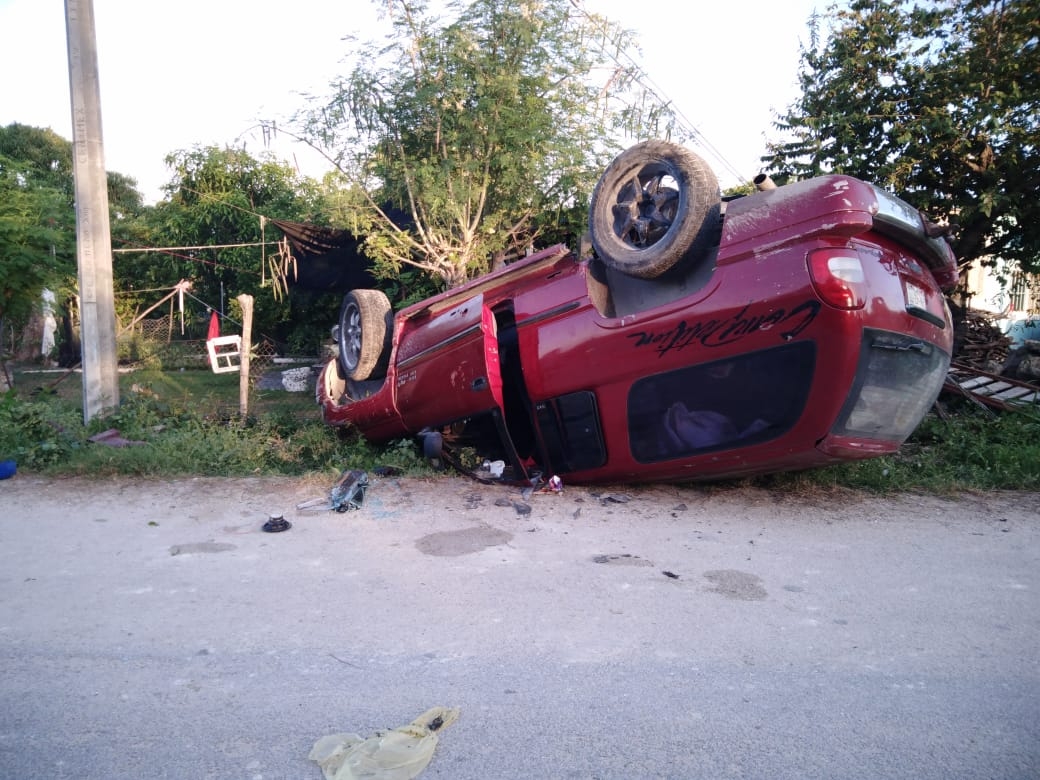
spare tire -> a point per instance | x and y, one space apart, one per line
365 330
655 204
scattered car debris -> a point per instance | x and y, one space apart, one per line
554 485
494 468
276 524
348 493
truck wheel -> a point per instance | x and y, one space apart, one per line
365 330
657 203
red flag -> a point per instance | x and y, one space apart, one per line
214 326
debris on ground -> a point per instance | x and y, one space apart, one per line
986 369
984 345
112 438
276 524
400 754
1024 362
494 468
991 390
348 493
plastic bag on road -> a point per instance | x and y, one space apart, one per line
400 754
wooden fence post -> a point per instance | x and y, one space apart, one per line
246 302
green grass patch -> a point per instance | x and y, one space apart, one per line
966 448
182 423
188 423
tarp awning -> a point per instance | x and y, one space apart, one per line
327 259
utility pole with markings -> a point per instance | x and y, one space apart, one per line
93 233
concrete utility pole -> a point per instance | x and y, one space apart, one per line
93 234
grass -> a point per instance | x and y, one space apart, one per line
966 448
191 424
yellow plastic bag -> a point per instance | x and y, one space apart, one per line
400 754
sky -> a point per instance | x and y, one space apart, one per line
192 73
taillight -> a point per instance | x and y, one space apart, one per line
837 274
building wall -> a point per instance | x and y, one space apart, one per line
1015 302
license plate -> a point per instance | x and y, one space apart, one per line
915 297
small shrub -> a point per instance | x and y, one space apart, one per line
36 434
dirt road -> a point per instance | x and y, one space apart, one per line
152 629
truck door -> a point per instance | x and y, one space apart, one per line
448 367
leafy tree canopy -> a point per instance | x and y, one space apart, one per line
938 101
38 219
473 138
221 198
34 241
45 158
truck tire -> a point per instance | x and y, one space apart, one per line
655 205
365 330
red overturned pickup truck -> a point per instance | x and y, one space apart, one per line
795 327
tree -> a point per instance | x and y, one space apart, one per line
221 197
38 218
34 248
44 158
37 221
937 101
470 140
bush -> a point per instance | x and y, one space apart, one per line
36 434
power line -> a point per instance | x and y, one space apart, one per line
203 246
644 80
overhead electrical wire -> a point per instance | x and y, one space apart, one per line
644 80
201 246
